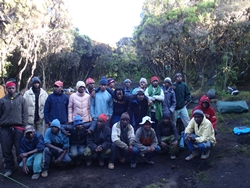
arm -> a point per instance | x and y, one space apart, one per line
59 159
213 118
70 109
92 107
190 128
90 141
24 113
110 107
107 142
159 97
187 94
90 125
173 101
47 110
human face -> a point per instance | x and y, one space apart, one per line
179 79
155 83
11 90
103 87
167 84
79 127
30 135
127 84
198 118
140 97
205 105
57 89
143 84
119 94
125 122
147 125
91 85
81 89
36 85
165 120
101 123
112 85
54 130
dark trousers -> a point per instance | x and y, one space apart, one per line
116 151
10 136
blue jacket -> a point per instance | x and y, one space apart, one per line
36 143
56 107
58 140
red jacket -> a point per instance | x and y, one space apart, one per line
209 112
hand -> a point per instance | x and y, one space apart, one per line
93 93
22 155
58 160
163 144
175 143
188 137
25 169
88 131
60 150
66 133
173 87
150 102
129 149
99 148
70 123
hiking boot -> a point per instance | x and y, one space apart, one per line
35 176
111 166
172 157
122 159
89 162
205 155
8 173
133 165
44 173
192 155
101 162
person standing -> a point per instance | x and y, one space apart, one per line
102 103
156 95
13 119
79 104
90 84
169 103
56 105
142 85
127 89
183 96
36 98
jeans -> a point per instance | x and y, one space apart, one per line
183 113
10 136
117 151
49 154
76 151
149 155
203 147
34 162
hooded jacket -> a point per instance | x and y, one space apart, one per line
169 103
13 112
209 112
30 99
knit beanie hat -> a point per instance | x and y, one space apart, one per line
77 120
55 123
35 80
139 91
154 78
199 112
167 79
143 80
103 81
177 75
104 117
166 116
79 84
110 80
127 80
90 81
125 115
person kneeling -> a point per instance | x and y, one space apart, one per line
57 145
199 136
31 149
123 141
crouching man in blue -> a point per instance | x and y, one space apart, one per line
57 145
123 141
78 138
199 136
99 142
31 152
146 141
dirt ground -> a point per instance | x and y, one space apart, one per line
227 166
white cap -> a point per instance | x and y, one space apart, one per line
79 84
167 79
146 118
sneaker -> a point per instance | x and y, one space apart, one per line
111 166
192 155
8 173
133 165
150 162
89 162
35 176
122 159
172 157
101 162
44 173
205 155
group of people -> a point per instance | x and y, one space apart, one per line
103 123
